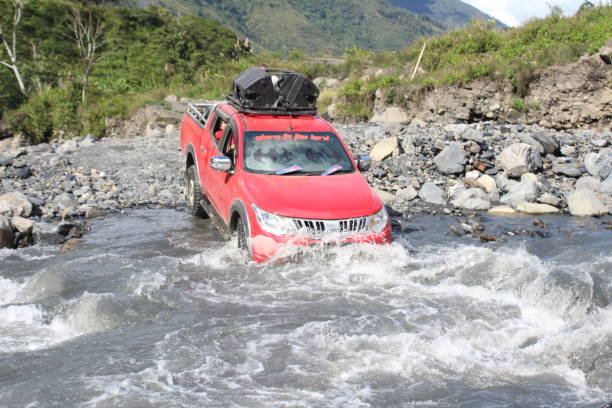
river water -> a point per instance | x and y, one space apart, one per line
153 310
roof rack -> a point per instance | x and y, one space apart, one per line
261 90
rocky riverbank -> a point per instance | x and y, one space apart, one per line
48 189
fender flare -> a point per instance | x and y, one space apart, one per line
190 151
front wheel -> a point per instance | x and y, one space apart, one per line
193 194
241 235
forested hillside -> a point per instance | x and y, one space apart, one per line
319 27
80 63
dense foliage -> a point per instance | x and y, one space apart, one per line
142 52
475 51
313 27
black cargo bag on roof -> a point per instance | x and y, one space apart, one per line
259 90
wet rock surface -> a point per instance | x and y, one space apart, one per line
436 169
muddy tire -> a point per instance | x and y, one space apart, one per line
193 194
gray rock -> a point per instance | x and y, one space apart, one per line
22 172
566 169
535 145
384 149
430 193
549 199
473 199
408 145
456 190
23 225
88 140
599 164
7 235
15 204
515 159
66 200
599 142
585 203
473 135
407 194
587 182
606 186
567 150
452 159
525 191
68 147
548 143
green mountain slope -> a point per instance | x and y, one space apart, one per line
311 26
449 13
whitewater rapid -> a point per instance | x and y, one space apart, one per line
153 310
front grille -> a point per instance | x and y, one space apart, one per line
321 226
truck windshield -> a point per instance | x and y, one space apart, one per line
310 152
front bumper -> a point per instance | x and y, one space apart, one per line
265 245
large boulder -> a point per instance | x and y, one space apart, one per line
474 135
430 193
7 235
384 149
605 52
407 194
548 143
488 183
537 209
392 114
472 199
525 191
15 204
599 164
23 225
452 159
515 160
585 203
588 182
606 186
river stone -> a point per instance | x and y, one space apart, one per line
451 160
15 204
585 203
606 186
407 194
529 176
384 149
88 140
392 114
455 190
488 183
588 182
548 143
566 169
535 145
473 199
384 196
430 193
23 225
68 147
599 164
7 235
474 135
515 159
538 209
524 191
568 150
66 200
549 199
408 145
502 210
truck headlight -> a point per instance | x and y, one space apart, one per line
273 223
378 221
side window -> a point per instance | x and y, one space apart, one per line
229 147
217 130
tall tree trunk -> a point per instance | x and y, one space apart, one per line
11 49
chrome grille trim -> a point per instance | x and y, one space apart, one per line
321 226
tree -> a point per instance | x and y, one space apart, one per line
87 31
11 48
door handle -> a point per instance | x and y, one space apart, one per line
202 149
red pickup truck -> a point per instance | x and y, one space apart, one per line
275 173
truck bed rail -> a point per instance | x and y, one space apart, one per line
200 112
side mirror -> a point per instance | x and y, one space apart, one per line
221 163
364 163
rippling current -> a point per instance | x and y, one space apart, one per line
153 310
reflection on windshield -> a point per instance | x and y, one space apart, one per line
312 152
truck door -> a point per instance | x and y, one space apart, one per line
223 182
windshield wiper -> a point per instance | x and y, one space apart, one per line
290 169
332 170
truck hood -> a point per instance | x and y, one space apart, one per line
314 197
